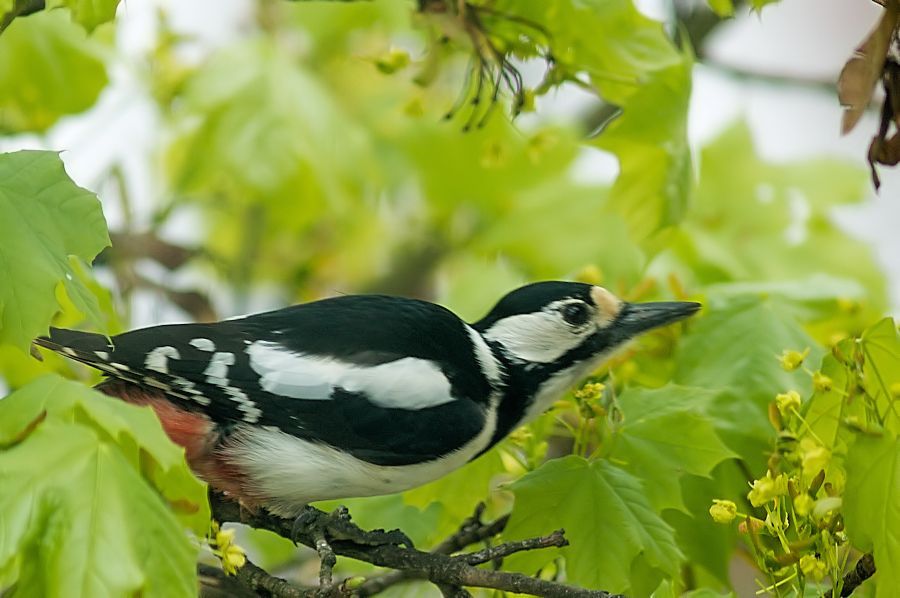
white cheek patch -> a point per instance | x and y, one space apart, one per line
540 337
407 383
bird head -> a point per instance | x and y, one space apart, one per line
563 324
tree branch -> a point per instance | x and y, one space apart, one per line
864 569
471 531
215 583
250 581
450 573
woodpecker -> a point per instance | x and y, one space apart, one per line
359 395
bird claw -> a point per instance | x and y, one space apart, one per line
380 537
324 528
338 526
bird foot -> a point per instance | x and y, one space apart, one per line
338 526
324 528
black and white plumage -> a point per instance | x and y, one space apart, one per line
364 394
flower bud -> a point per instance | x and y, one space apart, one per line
826 505
353 583
822 383
723 511
767 488
233 559
590 391
803 504
813 457
392 61
791 360
813 567
751 524
788 402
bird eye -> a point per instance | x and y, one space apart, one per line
575 314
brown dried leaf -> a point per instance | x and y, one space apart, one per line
884 150
859 76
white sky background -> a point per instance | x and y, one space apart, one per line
807 40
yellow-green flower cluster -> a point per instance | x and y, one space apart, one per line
791 360
588 398
590 391
767 489
803 504
813 456
723 511
788 402
822 383
813 567
222 543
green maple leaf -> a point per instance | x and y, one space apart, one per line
45 222
608 521
880 344
135 431
94 497
79 521
88 13
745 371
666 435
872 506
827 410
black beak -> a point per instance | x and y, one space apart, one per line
636 318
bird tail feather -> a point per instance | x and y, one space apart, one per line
89 348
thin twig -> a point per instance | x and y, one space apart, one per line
556 539
471 531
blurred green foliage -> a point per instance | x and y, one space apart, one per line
49 67
314 148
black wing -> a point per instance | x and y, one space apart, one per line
273 369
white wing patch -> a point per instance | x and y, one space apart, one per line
217 370
158 359
203 344
217 373
407 383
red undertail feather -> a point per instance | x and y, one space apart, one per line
189 429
